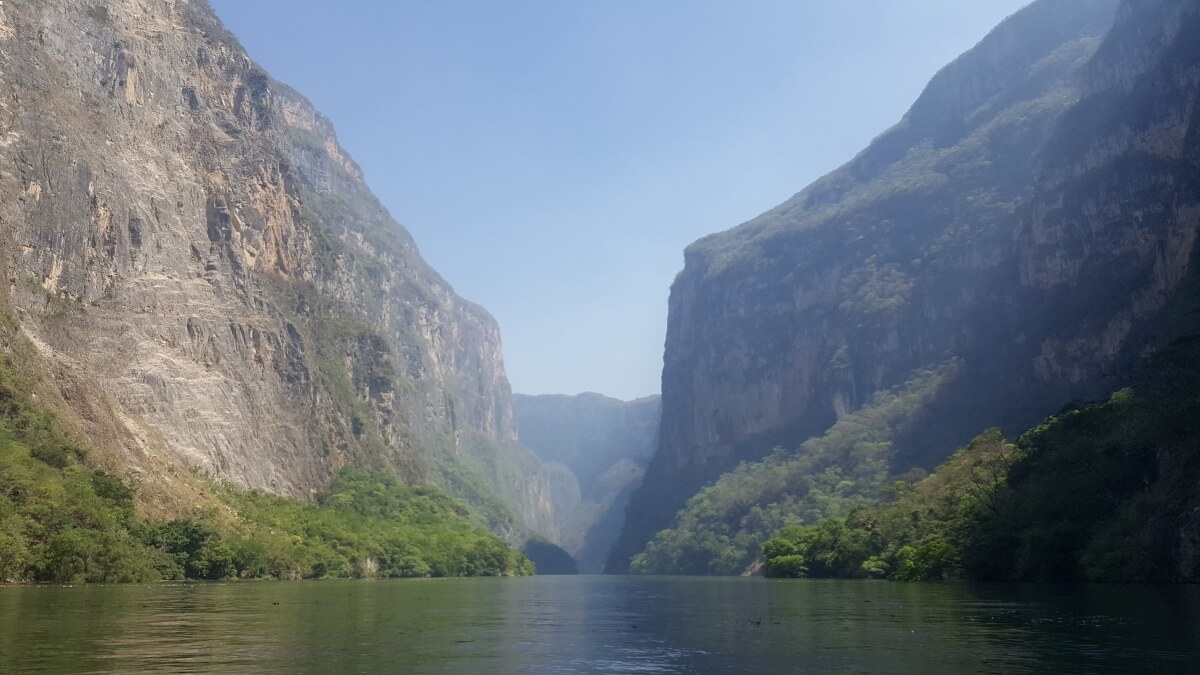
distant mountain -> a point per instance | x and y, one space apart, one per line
595 449
1029 225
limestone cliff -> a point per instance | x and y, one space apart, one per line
184 235
596 450
1034 215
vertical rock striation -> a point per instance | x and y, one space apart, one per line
188 234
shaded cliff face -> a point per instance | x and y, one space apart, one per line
595 449
187 234
1032 215
1107 246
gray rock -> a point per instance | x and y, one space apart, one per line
186 234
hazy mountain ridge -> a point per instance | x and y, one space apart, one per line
1033 215
189 245
596 449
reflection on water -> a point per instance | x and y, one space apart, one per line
598 625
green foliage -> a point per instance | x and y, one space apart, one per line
875 293
931 561
832 548
790 566
196 549
1100 492
1107 491
915 537
721 530
368 524
61 521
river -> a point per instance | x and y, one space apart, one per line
593 624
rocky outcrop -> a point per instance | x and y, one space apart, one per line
1032 215
187 235
595 449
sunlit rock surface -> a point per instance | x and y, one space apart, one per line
184 236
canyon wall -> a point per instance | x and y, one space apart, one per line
1033 215
595 449
185 236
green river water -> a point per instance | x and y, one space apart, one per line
593 624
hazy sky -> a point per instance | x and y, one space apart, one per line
552 158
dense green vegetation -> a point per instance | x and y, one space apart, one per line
1102 492
61 521
722 528
367 524
916 536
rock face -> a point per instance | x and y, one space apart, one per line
595 449
1034 215
187 234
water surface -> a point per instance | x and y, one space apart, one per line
598 625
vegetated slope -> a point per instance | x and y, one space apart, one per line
193 253
722 528
61 520
595 449
1034 216
1100 492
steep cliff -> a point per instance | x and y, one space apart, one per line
595 449
1033 215
184 236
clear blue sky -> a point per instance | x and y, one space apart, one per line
552 158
